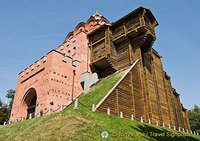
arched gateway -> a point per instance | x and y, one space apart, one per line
29 102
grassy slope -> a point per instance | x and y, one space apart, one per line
83 124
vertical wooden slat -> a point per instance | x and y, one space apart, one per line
130 52
109 40
124 28
117 99
105 44
132 93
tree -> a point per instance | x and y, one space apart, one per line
10 95
4 111
194 118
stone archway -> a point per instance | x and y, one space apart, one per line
29 102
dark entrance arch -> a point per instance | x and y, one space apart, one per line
30 99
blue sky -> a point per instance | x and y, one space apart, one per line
29 29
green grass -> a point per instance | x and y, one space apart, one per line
84 125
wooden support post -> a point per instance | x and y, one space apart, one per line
109 40
124 28
130 52
105 44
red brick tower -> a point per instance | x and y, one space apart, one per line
54 80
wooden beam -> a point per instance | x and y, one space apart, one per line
132 93
98 59
130 51
117 99
124 28
109 40
98 41
106 45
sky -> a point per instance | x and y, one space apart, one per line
30 29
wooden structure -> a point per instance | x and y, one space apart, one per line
145 90
113 46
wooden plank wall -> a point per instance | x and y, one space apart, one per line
126 97
169 92
160 87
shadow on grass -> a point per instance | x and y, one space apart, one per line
150 132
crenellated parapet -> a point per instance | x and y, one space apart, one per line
34 68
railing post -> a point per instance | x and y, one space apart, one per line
174 127
156 123
132 118
76 104
93 108
169 125
141 120
61 107
108 111
121 114
149 121
30 116
39 113
49 111
163 124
